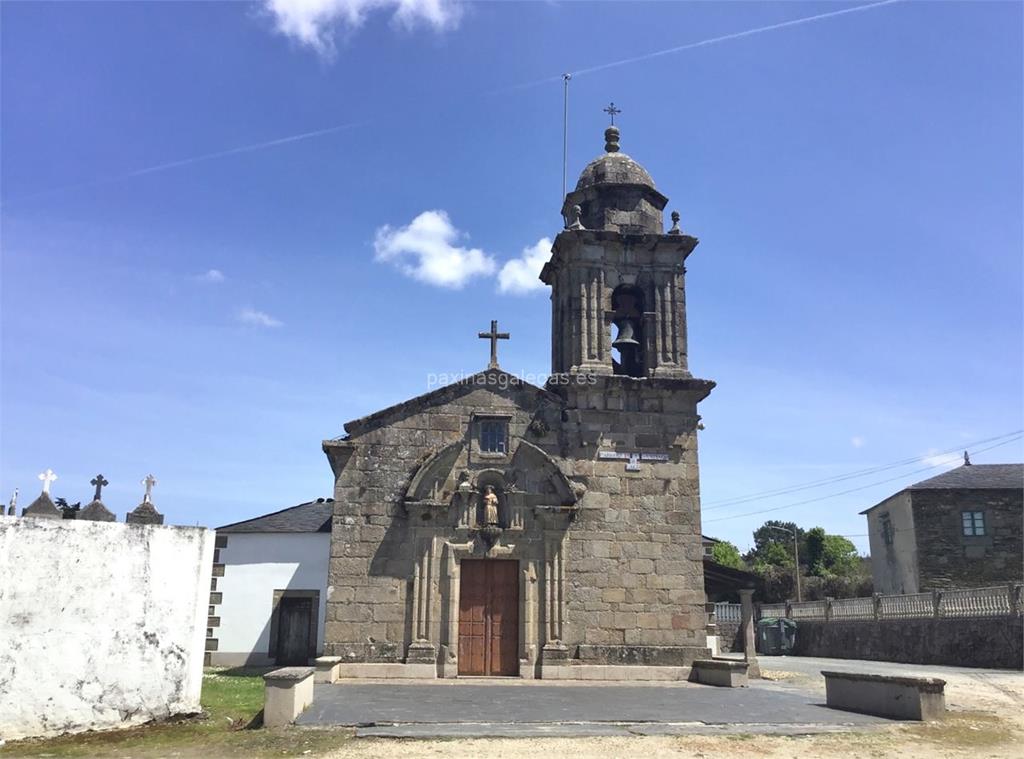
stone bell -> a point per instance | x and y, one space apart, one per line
626 338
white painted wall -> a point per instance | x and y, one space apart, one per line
255 565
102 624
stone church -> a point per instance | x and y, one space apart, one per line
492 527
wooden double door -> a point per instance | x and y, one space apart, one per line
489 618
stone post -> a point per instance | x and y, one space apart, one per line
789 609
749 655
828 609
936 603
1015 599
876 605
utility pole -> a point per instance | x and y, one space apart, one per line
796 558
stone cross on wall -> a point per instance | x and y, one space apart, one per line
632 458
494 336
149 482
47 477
100 483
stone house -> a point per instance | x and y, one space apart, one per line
492 527
269 588
960 529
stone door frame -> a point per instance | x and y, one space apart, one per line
275 619
436 589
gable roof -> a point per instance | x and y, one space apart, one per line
312 516
976 477
969 477
497 380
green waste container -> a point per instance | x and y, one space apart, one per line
776 636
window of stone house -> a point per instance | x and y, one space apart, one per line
886 525
493 436
973 523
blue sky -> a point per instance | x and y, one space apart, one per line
855 180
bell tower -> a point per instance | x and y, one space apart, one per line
618 296
629 423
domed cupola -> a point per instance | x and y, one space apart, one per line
615 193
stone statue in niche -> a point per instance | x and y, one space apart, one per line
490 499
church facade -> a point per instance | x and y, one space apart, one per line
496 528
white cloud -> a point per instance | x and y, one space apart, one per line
314 22
934 458
426 250
857 441
256 318
211 277
520 275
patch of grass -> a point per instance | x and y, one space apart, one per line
232 710
965 730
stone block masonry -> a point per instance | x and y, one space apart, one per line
102 624
286 694
989 642
911 698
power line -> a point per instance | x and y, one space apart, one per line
848 476
851 490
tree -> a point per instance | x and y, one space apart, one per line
726 554
840 557
815 556
829 564
774 555
775 547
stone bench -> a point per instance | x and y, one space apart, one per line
327 669
917 698
726 673
286 693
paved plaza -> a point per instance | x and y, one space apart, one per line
535 708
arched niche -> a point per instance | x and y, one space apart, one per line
434 480
493 478
628 306
538 478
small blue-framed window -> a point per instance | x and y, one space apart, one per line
493 436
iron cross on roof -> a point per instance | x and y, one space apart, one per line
612 111
494 336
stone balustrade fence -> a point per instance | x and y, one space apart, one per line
1000 600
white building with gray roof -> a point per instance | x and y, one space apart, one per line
269 589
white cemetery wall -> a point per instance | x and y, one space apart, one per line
255 566
102 624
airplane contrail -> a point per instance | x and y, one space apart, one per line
194 159
579 72
701 43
